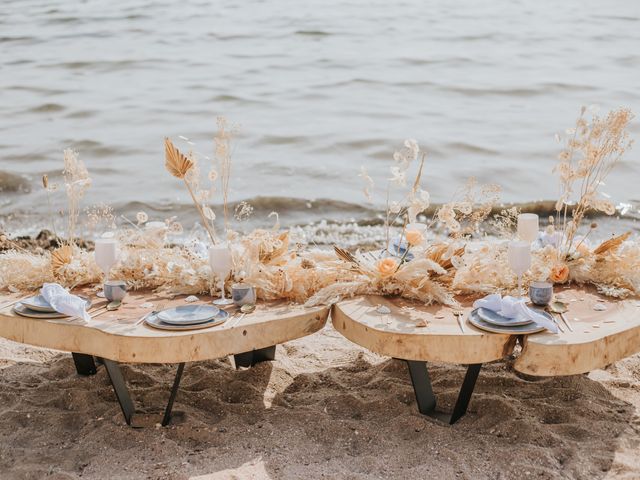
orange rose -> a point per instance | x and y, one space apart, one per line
387 266
559 273
414 237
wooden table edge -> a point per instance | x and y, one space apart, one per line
197 345
428 348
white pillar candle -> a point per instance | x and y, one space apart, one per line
528 226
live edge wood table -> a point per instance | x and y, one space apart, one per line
119 337
599 339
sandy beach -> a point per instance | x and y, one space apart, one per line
324 409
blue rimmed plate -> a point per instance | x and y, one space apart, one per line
153 320
476 321
188 314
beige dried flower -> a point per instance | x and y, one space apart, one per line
142 217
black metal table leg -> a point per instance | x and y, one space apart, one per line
426 399
174 391
120 389
84 364
249 359
122 393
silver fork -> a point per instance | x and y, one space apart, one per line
458 314
158 308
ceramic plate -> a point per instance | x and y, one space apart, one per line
495 318
38 304
188 314
24 311
154 321
478 322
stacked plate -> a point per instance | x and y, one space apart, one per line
38 307
491 321
187 317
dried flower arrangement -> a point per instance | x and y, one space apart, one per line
410 265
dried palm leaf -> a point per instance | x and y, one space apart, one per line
61 257
175 162
611 245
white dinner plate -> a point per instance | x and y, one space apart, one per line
24 311
476 321
188 314
154 321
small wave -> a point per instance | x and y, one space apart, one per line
282 140
32 89
234 98
471 148
312 33
47 108
15 39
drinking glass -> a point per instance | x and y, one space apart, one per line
519 255
528 226
106 255
221 263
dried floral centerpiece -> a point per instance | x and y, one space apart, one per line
592 150
408 265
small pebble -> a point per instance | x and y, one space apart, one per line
439 316
421 324
383 310
595 326
146 305
191 299
600 307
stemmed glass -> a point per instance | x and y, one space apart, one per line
221 263
519 255
106 255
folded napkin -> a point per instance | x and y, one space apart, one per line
512 307
63 302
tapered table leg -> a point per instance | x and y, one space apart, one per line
426 399
124 398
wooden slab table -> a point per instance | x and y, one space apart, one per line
120 337
599 339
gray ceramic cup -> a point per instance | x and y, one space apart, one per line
115 290
541 293
243 294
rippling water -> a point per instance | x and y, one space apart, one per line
319 88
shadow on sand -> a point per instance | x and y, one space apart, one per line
356 420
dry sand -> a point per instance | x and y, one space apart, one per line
324 409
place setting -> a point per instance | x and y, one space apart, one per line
200 316
513 315
53 302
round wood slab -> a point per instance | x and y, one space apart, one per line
398 335
120 336
600 338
